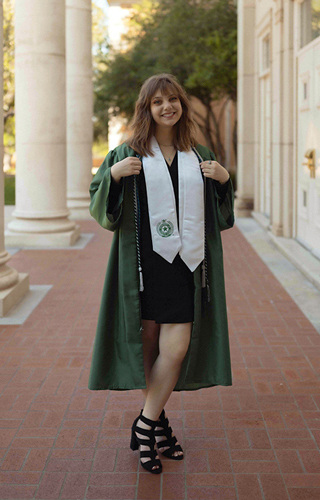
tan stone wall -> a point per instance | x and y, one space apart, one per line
230 161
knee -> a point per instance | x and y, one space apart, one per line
175 353
178 354
174 342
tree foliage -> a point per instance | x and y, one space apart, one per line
8 75
196 40
99 51
99 34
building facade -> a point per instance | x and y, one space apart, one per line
279 117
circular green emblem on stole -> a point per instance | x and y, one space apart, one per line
165 228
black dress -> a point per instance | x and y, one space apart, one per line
168 295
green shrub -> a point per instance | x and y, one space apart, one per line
9 190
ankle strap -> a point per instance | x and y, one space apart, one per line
147 421
162 415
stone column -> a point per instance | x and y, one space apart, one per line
228 135
79 106
276 216
41 214
283 120
246 153
13 286
288 117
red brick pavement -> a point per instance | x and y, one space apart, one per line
256 440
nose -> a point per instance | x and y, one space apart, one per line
167 106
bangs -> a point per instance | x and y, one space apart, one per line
164 86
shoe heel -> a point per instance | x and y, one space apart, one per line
134 445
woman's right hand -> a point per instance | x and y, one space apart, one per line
129 166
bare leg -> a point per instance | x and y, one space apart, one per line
174 341
150 342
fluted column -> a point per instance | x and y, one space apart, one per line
79 106
13 286
245 164
41 214
277 121
287 114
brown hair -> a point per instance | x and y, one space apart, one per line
143 124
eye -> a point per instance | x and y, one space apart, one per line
156 102
173 98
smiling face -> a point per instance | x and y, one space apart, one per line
166 109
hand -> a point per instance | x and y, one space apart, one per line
129 166
213 169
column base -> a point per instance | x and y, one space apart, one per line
79 213
262 219
277 229
63 239
11 296
243 207
77 202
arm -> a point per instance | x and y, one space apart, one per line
222 191
115 192
225 200
106 202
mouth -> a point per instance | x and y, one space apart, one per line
169 115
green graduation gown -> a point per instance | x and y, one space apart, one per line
117 359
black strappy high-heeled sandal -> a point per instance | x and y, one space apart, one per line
170 441
136 442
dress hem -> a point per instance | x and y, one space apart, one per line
190 387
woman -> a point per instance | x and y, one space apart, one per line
163 323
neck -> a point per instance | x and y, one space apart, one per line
164 135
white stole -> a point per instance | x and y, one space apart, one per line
167 239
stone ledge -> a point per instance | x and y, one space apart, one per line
80 244
26 240
18 314
299 256
263 220
304 293
11 296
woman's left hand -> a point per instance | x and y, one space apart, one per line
213 169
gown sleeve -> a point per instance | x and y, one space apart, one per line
114 197
222 189
225 201
106 195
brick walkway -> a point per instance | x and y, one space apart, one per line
258 439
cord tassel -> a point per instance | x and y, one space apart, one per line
208 293
141 279
203 277
137 228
